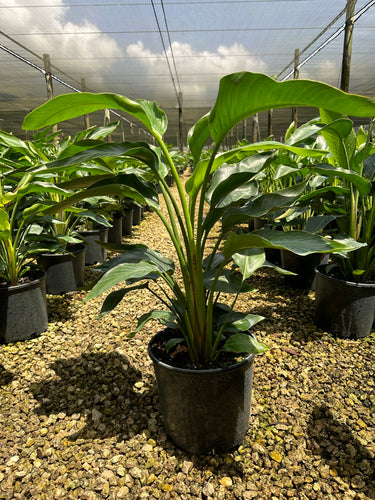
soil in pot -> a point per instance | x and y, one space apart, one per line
203 409
343 308
64 272
23 309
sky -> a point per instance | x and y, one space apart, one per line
116 46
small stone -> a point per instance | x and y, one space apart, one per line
13 460
276 456
208 490
121 471
123 492
117 458
165 487
186 466
151 478
96 415
136 473
107 474
226 481
43 431
29 442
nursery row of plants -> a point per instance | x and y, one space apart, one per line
311 193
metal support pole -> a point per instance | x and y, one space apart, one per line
48 77
256 133
348 41
86 118
270 116
180 123
107 121
295 76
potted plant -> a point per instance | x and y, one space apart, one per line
283 169
204 357
23 308
345 290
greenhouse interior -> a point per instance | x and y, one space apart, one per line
187 249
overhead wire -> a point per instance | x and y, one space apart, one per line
177 91
332 37
61 81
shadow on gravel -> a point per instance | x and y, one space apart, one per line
61 307
341 451
6 377
102 387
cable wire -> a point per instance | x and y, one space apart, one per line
62 82
332 37
167 59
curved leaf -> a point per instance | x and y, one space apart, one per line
262 204
241 342
299 242
68 106
123 272
244 94
249 261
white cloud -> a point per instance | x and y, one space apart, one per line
194 67
73 51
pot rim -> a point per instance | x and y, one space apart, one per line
320 270
77 250
39 276
83 232
192 371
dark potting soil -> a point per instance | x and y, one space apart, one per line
27 278
179 357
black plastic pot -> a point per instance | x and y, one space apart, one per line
115 232
137 215
343 308
64 272
127 222
303 265
94 252
204 410
23 310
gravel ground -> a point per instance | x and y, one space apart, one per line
79 415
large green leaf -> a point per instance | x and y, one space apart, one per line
196 179
230 177
4 225
249 261
68 106
241 342
341 140
262 204
165 317
299 242
126 184
139 150
244 94
228 282
115 297
122 273
134 254
198 136
358 181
